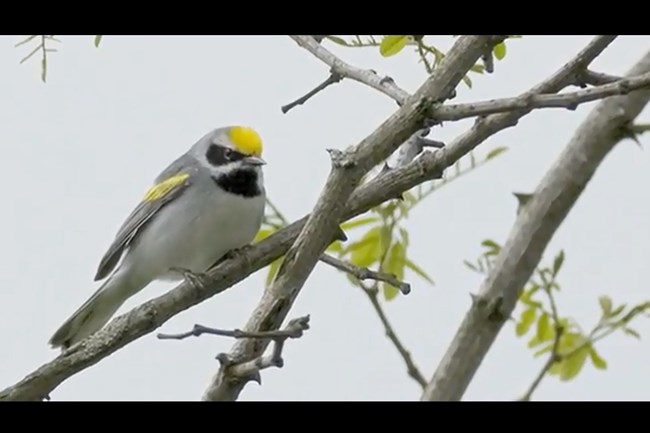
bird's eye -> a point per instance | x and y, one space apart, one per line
229 154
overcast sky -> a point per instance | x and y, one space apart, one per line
81 149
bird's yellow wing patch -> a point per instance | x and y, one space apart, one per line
163 188
246 140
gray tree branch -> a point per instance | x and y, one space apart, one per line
348 168
149 316
569 100
386 85
534 227
250 371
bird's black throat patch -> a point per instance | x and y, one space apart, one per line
242 181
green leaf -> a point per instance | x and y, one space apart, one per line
571 366
368 250
263 234
390 292
548 348
470 265
98 39
405 236
274 267
337 40
358 223
526 320
526 295
618 310
632 332
415 268
493 247
533 342
395 262
596 360
544 330
336 247
392 44
557 263
499 50
495 152
478 68
467 81
605 305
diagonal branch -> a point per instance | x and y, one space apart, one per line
373 296
534 227
149 316
411 369
348 168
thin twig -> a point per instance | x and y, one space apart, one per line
332 79
555 351
198 330
345 70
366 274
411 368
552 359
250 370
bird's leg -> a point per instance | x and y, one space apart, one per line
198 280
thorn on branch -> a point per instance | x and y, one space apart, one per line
363 274
332 79
488 61
492 309
522 200
340 235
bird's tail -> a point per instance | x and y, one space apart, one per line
93 314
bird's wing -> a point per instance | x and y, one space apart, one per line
169 185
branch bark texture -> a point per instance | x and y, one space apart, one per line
535 225
337 203
348 168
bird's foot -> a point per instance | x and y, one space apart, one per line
232 254
198 280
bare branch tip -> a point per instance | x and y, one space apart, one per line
333 78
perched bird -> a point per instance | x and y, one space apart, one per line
207 203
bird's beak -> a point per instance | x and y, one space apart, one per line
254 160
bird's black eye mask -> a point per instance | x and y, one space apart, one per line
220 155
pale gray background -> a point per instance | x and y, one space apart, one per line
79 152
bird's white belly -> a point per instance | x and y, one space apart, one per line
194 237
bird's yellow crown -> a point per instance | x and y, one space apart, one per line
246 140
